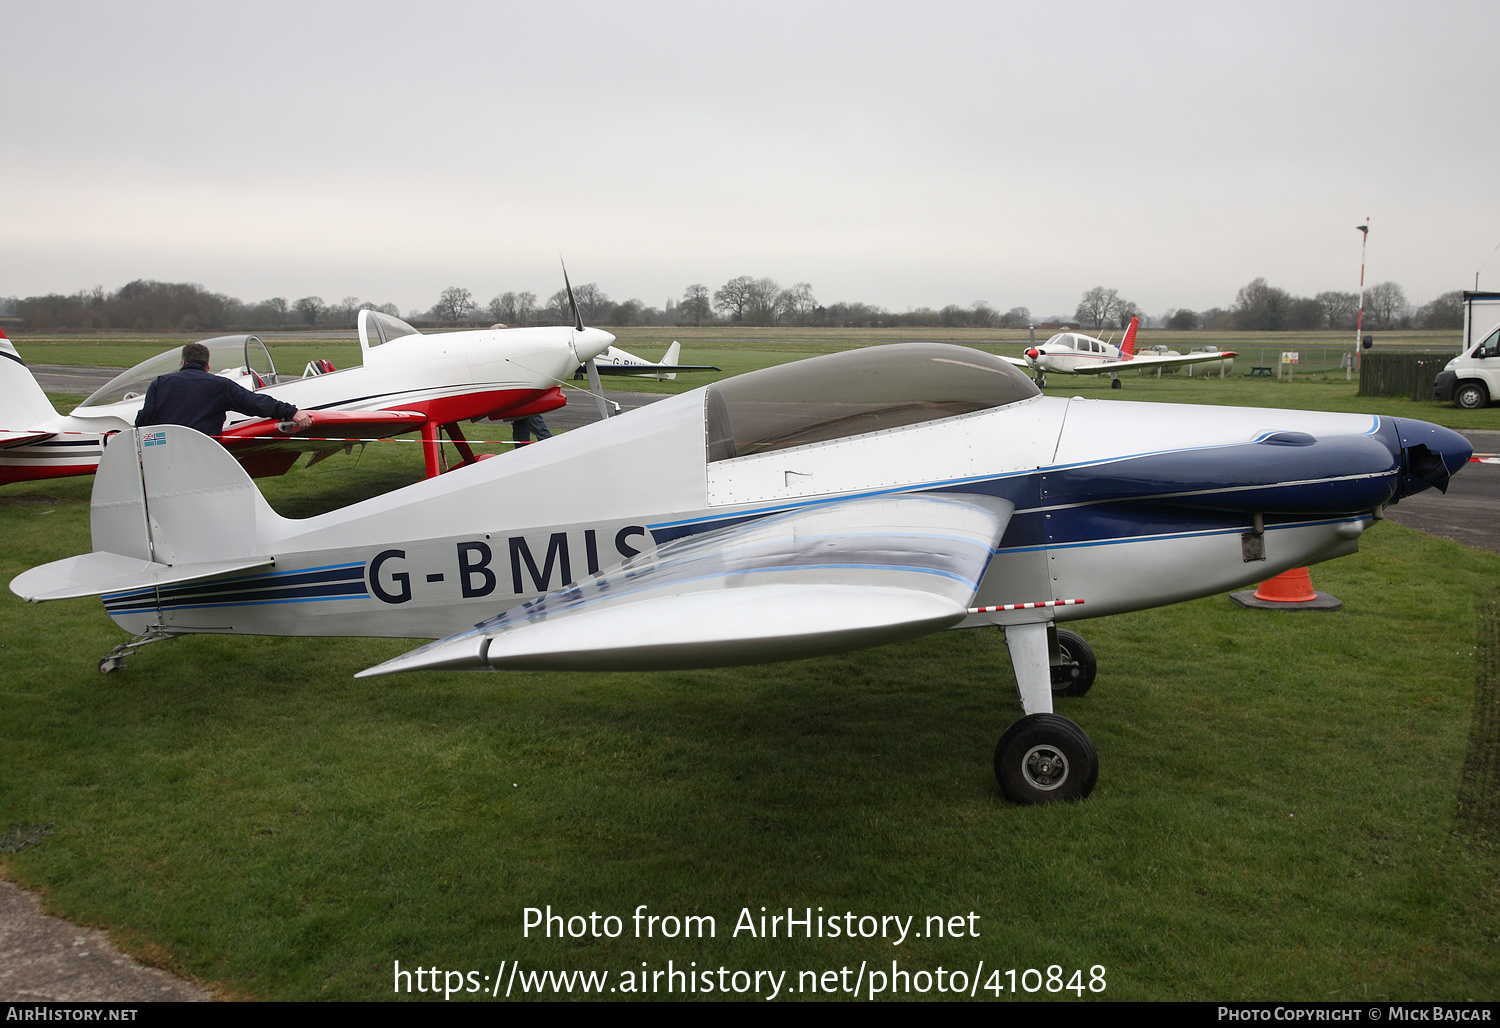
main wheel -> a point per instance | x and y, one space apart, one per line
1075 674
1471 396
1114 383
1045 758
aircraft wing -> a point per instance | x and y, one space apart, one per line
1149 361
21 438
329 423
1014 361
819 579
650 369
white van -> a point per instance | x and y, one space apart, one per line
1472 379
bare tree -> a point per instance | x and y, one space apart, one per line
1124 311
1016 317
308 308
593 303
1098 306
454 305
502 309
1181 320
1337 308
798 303
1387 303
696 306
733 298
558 311
1447 311
1262 307
764 306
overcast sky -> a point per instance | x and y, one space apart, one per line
900 154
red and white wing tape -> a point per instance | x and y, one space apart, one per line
1024 606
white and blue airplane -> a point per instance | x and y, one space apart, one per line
840 502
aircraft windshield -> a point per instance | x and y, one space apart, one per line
376 328
224 353
851 393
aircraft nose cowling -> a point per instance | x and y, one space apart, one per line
1033 353
1430 455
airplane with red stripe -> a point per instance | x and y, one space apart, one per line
1073 353
407 381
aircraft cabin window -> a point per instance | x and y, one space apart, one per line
224 353
376 327
852 393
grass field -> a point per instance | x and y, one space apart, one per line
1287 803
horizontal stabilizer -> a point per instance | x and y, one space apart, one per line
818 580
94 574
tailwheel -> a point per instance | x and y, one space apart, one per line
1045 758
1079 667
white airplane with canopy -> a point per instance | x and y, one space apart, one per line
407 381
848 500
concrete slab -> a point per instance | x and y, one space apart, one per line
47 959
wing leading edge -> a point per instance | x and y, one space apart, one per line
817 580
1148 361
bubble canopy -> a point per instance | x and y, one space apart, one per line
224 353
855 392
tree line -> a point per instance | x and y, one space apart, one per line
149 306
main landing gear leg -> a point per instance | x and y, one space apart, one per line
115 659
1044 757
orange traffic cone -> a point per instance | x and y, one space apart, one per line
1290 590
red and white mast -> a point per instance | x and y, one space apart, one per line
1359 320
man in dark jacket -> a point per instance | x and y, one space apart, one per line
197 399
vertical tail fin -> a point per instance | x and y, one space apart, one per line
1127 345
674 352
23 404
174 496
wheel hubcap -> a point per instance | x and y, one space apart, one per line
1045 768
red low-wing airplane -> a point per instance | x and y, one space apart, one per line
407 382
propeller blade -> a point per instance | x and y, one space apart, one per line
596 388
577 316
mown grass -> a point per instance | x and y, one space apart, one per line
1276 815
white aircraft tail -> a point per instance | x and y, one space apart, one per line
170 505
673 353
23 404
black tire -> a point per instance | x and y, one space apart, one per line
1471 395
1075 675
1045 758
1041 381
1114 383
